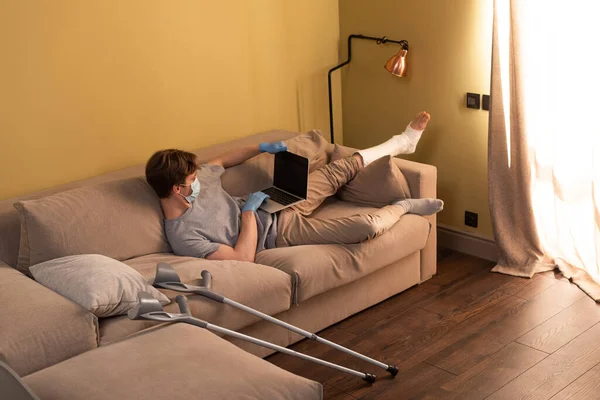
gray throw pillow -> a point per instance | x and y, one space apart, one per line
100 284
378 185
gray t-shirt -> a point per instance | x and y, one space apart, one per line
214 218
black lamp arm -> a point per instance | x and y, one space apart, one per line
380 40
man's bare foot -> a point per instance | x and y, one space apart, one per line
420 121
405 143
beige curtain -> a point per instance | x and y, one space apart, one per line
544 139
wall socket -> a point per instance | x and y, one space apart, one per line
471 219
485 102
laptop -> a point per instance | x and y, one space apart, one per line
290 182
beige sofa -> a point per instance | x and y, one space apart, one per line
310 292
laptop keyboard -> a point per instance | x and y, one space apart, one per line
280 197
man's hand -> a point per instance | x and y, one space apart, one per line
275 147
254 201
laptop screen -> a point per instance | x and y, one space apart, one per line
291 173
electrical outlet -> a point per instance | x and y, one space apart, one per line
471 219
485 102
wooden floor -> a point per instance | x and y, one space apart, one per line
467 334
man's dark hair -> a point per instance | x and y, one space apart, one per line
167 168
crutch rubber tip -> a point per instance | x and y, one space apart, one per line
369 378
392 369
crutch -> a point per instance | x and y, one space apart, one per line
167 278
150 308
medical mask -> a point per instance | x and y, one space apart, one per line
195 191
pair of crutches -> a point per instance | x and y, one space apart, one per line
167 278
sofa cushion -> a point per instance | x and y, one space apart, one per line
38 327
379 184
257 173
331 266
175 362
120 219
100 284
263 288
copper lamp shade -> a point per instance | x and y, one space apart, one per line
397 64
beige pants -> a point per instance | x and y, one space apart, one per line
294 228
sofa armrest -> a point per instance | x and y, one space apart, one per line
12 386
422 182
38 327
421 178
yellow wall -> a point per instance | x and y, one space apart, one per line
88 87
450 52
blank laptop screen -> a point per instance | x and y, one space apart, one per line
291 173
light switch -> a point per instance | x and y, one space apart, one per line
474 100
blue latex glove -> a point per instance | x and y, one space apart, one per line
254 201
275 147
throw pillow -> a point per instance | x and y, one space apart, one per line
100 284
377 185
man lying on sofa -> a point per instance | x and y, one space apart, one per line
202 220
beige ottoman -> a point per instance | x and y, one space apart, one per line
178 361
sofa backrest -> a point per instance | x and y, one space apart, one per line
10 224
120 219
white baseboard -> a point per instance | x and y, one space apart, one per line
467 242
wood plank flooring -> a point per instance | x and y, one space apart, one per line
467 334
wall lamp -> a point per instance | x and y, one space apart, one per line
395 65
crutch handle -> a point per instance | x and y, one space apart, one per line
206 279
183 304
